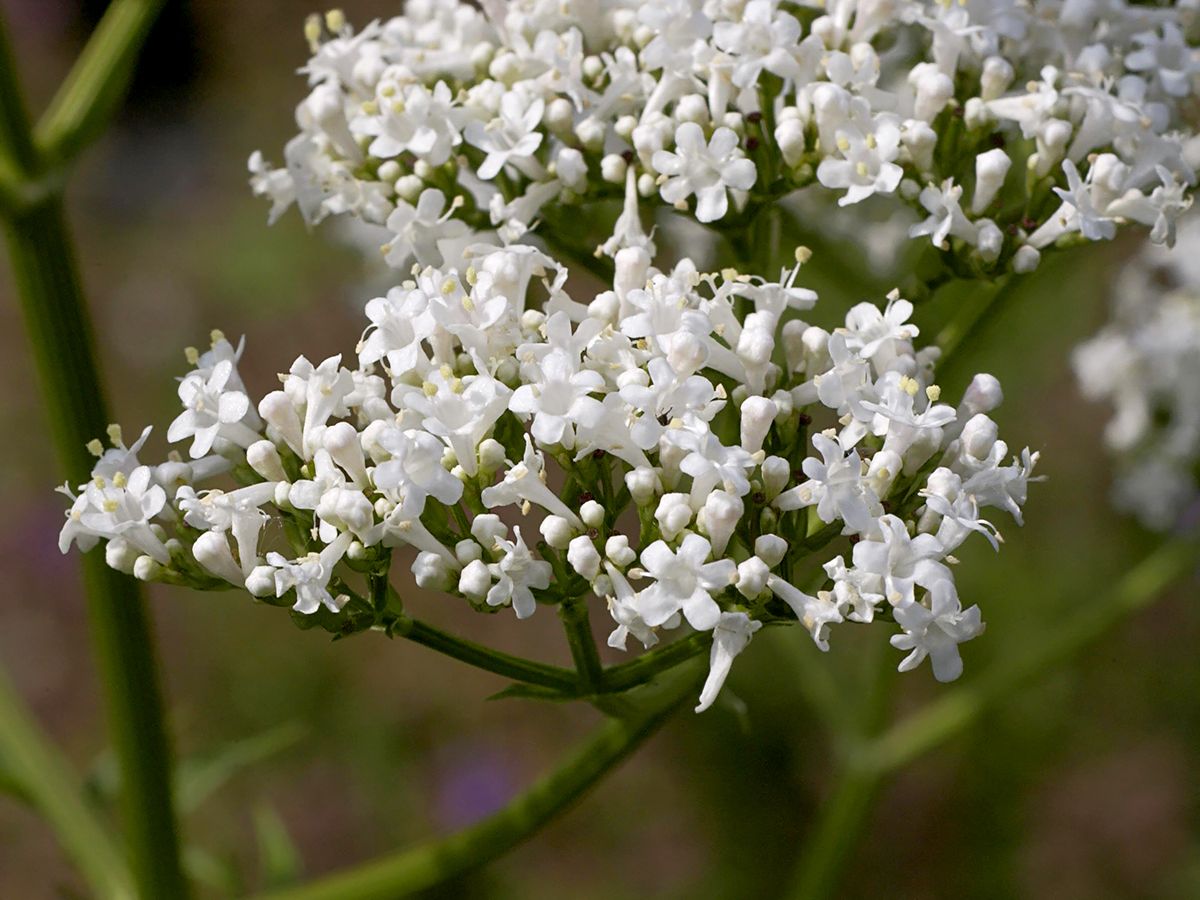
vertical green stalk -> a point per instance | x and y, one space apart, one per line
574 614
60 336
47 282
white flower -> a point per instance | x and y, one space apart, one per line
122 507
898 563
420 230
309 577
706 170
936 631
461 411
683 582
511 137
524 482
866 165
557 395
731 634
816 614
213 409
836 486
765 38
413 119
518 575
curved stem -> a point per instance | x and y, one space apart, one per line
649 665
36 768
966 328
481 657
434 863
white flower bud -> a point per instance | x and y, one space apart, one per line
976 115
793 344
559 116
692 108
282 492
617 549
920 140
757 415
263 458
776 473
624 126
261 581
979 435
342 442
389 171
583 557
687 353
119 555
934 89
674 514
771 549
146 568
1026 259
997 76
991 168
631 264
882 472
592 514
475 580
613 168
491 456
752 577
989 240
591 134
212 551
644 485
789 135
487 528
433 572
606 307
409 188
467 551
556 531
646 185
722 512
982 395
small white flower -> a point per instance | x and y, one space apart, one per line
683 582
731 635
707 170
936 631
518 575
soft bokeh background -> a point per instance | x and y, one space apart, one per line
1083 785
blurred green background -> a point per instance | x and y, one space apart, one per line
1083 785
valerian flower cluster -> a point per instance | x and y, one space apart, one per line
1009 126
687 490
1146 363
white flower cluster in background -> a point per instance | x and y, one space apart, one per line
682 447
1146 363
1008 125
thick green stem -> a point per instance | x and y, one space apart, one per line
35 767
428 866
972 322
60 336
93 90
650 665
481 657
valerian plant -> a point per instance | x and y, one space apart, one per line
666 440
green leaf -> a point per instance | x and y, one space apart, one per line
280 863
200 777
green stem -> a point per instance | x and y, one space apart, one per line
649 665
433 864
515 667
966 329
959 708
838 827
60 336
38 770
96 84
574 614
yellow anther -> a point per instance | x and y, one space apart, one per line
429 389
110 506
119 480
94 447
843 144
335 20
192 355
114 434
369 108
871 142
862 170
803 255
449 286
312 32
934 393
909 385
216 336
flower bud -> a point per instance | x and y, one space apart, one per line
722 512
487 528
776 473
583 557
263 458
979 435
491 456
687 353
119 555
342 442
467 551
982 395
771 549
211 550
592 514
757 415
674 514
692 108
261 581
146 568
752 577
559 116
475 580
789 135
1026 259
591 134
556 531
613 168
989 240
644 485
991 168
617 549
433 572
997 76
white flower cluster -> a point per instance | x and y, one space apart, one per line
1008 125
1146 363
657 438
